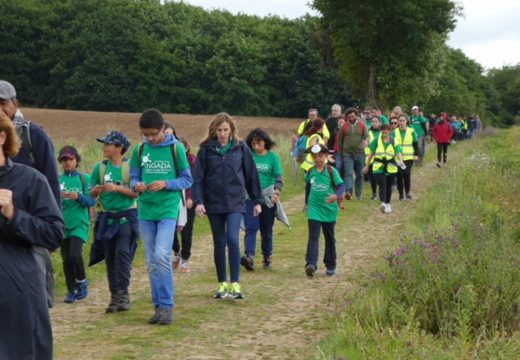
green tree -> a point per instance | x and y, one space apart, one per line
506 83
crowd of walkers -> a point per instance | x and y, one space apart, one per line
154 190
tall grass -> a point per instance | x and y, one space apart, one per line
451 289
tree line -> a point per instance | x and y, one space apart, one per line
127 55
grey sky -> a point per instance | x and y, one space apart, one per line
489 31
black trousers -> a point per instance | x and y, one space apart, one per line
73 265
404 178
313 244
186 236
385 183
118 259
442 152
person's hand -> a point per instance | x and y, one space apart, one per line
99 189
6 203
140 187
416 158
365 169
332 198
257 209
275 198
111 187
157 185
189 203
180 227
200 210
73 195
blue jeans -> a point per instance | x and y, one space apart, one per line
157 238
313 244
226 230
353 165
263 222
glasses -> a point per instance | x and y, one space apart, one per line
393 123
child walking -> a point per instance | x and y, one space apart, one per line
116 228
159 172
323 188
76 202
270 172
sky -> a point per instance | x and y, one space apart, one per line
488 32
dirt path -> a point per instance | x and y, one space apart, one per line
282 317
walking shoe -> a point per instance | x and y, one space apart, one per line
154 318
388 209
176 261
374 197
185 266
70 298
382 207
248 262
439 165
331 272
268 264
222 291
82 289
310 270
348 195
401 197
359 197
113 304
164 316
409 197
124 301
235 292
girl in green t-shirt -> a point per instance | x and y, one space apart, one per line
270 172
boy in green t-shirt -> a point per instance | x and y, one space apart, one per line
159 172
324 187
116 229
76 202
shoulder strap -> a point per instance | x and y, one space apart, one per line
331 173
25 137
125 171
83 182
102 171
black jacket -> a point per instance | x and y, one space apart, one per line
222 180
25 325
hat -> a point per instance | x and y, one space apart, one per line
7 90
317 149
115 138
68 152
415 107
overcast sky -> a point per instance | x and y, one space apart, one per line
489 31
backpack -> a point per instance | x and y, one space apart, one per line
362 128
125 171
24 133
331 174
299 148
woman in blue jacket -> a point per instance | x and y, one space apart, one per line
224 172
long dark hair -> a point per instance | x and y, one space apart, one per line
262 135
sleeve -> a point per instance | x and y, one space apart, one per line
301 127
135 167
197 192
277 171
326 132
84 198
253 187
183 180
41 223
94 176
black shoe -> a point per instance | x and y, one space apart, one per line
310 270
374 197
164 315
248 262
124 301
401 197
268 264
113 305
409 197
154 318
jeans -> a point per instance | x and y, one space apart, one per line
73 265
263 222
313 244
353 165
226 230
157 238
338 163
421 142
118 259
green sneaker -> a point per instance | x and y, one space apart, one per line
222 291
235 291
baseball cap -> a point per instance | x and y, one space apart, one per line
317 149
7 90
415 107
68 152
116 138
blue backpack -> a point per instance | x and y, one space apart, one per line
300 147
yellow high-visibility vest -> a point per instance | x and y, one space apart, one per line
383 154
406 142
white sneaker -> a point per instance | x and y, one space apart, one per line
185 266
388 209
382 208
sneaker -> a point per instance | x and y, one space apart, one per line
70 298
164 316
185 266
124 301
222 291
359 197
310 270
248 262
82 289
439 165
113 304
348 195
268 263
401 197
236 292
154 318
382 207
374 197
408 196
388 209
176 261
331 272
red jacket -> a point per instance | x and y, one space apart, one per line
442 132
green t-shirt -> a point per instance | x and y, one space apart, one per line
321 188
76 216
111 201
417 123
157 163
268 166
